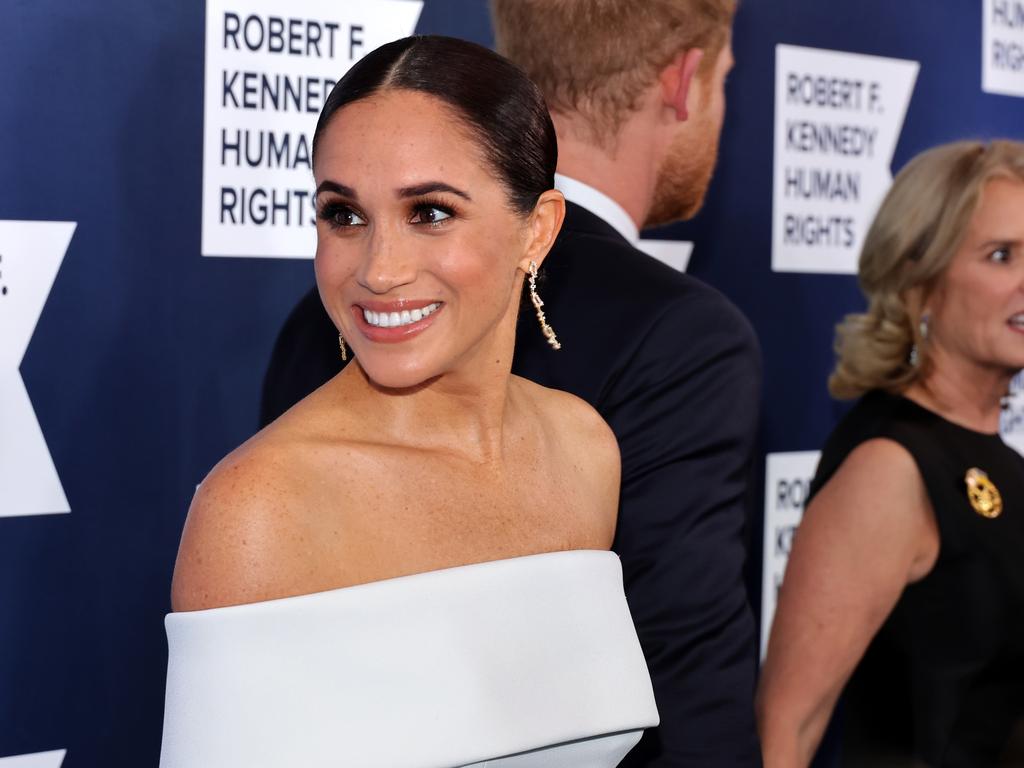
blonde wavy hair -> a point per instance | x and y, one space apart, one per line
911 242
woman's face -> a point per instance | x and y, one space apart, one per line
419 257
977 311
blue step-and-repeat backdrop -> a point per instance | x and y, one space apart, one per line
155 230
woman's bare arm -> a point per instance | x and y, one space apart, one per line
868 533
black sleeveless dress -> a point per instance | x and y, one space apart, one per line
942 683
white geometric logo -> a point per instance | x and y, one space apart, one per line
838 117
1002 47
270 65
31 252
786 486
52 759
1012 419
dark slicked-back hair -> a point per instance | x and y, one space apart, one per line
499 105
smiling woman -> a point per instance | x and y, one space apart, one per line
472 181
429 225
425 459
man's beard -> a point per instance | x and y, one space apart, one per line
682 181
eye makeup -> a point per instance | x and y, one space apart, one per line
340 215
424 212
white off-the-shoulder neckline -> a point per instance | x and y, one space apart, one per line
523 560
432 670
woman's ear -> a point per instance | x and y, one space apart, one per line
918 299
542 227
913 299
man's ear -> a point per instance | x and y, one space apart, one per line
542 227
677 78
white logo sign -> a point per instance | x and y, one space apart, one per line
31 252
52 759
270 65
1011 425
1002 47
675 253
787 484
838 117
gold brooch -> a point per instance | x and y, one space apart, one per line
983 494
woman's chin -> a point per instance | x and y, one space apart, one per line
390 376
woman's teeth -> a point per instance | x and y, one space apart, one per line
398 319
1017 320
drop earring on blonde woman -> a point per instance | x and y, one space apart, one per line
342 347
538 303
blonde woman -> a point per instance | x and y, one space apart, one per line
906 581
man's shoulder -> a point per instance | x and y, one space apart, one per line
627 320
621 278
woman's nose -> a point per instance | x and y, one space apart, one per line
388 262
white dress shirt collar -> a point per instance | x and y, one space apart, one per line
599 204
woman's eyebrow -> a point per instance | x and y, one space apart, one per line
333 186
431 186
999 242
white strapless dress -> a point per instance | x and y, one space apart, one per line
531 662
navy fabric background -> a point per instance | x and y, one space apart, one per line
146 364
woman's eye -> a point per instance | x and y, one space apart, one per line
341 216
430 214
1000 255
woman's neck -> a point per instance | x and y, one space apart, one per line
963 392
462 413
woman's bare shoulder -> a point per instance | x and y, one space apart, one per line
575 419
881 469
241 526
587 450
876 503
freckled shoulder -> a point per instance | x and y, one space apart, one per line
235 547
588 442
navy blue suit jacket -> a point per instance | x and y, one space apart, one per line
674 368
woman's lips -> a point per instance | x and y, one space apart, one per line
394 321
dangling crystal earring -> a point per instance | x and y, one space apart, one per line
344 349
548 331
